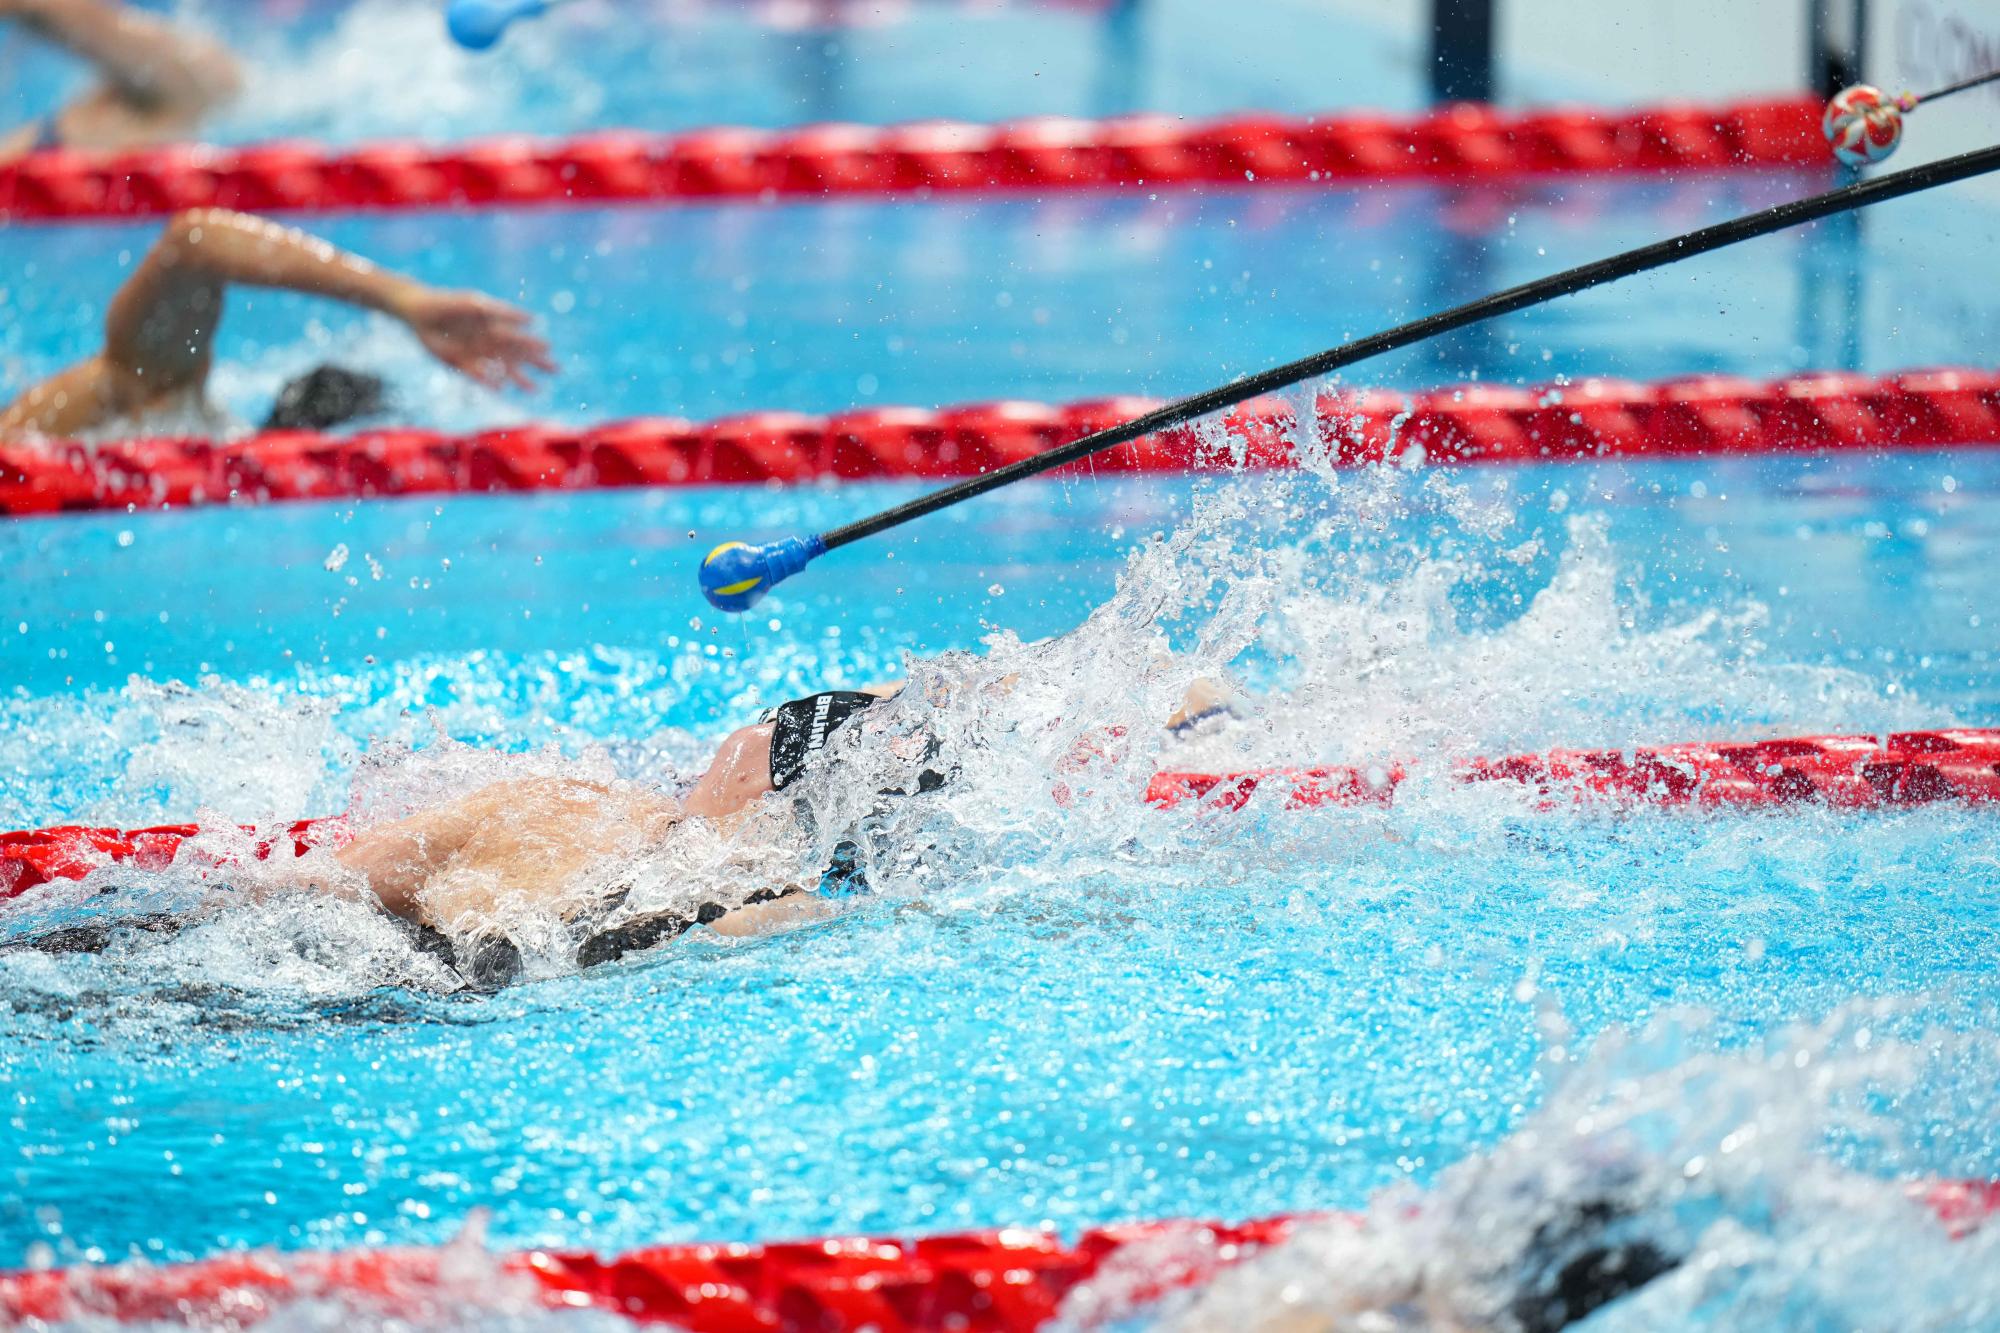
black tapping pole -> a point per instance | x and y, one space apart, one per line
735 575
1960 86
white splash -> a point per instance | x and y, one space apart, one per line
388 69
1711 1173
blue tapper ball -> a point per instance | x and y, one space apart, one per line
477 24
736 575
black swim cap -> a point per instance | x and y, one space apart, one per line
325 397
1589 1256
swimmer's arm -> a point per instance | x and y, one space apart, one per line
794 909
161 325
147 60
401 859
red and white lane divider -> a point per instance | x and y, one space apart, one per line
1593 418
1845 772
1463 143
1010 1281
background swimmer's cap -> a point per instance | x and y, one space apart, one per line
477 24
325 397
736 575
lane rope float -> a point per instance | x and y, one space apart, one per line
1462 144
1006 1280
1699 416
1852 772
749 572
1864 126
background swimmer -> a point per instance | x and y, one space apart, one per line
158 79
151 376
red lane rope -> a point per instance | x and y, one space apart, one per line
1850 772
1847 772
972 1282
1594 418
1461 143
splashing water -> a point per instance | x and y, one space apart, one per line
461 1286
420 389
1334 607
1698 1179
1235 1014
388 69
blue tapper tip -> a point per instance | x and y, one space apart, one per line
736 575
477 24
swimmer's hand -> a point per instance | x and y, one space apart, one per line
479 337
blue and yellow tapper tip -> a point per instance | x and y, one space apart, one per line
736 575
477 24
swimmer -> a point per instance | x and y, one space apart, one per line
151 376
462 874
1591 1243
449 869
158 81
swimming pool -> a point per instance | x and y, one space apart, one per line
372 69
1045 1013
702 312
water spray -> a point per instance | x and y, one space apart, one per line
1865 126
736 575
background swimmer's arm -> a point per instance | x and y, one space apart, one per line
161 326
147 61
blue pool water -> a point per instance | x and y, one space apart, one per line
1058 1005
707 311
1232 1016
379 68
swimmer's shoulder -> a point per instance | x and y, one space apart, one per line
94 401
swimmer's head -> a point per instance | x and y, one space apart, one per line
325 397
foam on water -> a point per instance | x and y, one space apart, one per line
420 389
1332 605
1680 1149
1193 970
469 1289
386 69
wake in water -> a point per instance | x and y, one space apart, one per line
386 69
1681 1178
1672 1180
1372 617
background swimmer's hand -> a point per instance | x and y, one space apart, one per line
476 335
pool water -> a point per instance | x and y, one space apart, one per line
383 69
702 312
1056 1005
1054 1014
